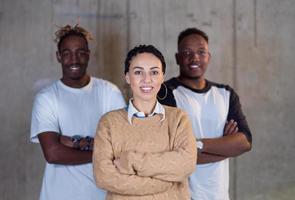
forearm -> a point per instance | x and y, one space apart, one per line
107 175
58 153
228 146
174 166
64 155
204 158
109 178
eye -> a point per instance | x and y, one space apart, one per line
202 52
65 54
82 53
153 73
187 53
137 72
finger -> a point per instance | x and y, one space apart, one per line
232 128
227 126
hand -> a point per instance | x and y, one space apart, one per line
86 144
67 141
231 127
124 163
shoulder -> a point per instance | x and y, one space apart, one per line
172 83
165 95
227 91
114 115
47 92
104 84
220 86
174 113
177 119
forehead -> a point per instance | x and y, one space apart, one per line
145 60
73 42
193 41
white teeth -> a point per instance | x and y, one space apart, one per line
146 89
194 66
74 68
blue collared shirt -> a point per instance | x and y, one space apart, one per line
132 111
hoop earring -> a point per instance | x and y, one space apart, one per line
166 92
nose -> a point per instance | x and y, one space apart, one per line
147 78
195 56
74 58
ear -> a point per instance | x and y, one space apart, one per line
127 78
58 57
163 79
177 58
209 56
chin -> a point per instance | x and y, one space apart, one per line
193 77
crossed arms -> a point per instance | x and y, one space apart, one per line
236 139
139 173
59 149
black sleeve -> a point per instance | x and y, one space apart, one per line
236 113
165 95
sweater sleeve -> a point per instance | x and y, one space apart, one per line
175 165
107 175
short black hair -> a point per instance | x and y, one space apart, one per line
144 49
191 31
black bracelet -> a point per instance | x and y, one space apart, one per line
87 147
76 141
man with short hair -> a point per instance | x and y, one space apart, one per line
64 120
218 122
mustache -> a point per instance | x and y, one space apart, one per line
74 65
194 63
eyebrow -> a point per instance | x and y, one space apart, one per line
156 67
137 67
80 49
189 49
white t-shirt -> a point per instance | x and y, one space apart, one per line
208 109
71 111
209 181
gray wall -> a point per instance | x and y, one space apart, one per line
252 46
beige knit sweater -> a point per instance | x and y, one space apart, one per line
156 157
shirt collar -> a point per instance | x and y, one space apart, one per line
132 111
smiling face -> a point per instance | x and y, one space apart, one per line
193 57
73 55
145 77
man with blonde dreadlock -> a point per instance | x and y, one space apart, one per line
64 119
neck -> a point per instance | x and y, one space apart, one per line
146 107
195 83
76 83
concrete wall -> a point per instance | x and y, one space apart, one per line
252 46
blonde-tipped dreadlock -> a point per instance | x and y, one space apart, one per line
68 30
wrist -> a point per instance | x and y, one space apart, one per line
86 144
200 145
76 141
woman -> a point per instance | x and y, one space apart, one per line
147 150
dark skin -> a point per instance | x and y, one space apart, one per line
73 56
193 58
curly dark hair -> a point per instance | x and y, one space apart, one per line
68 30
144 49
